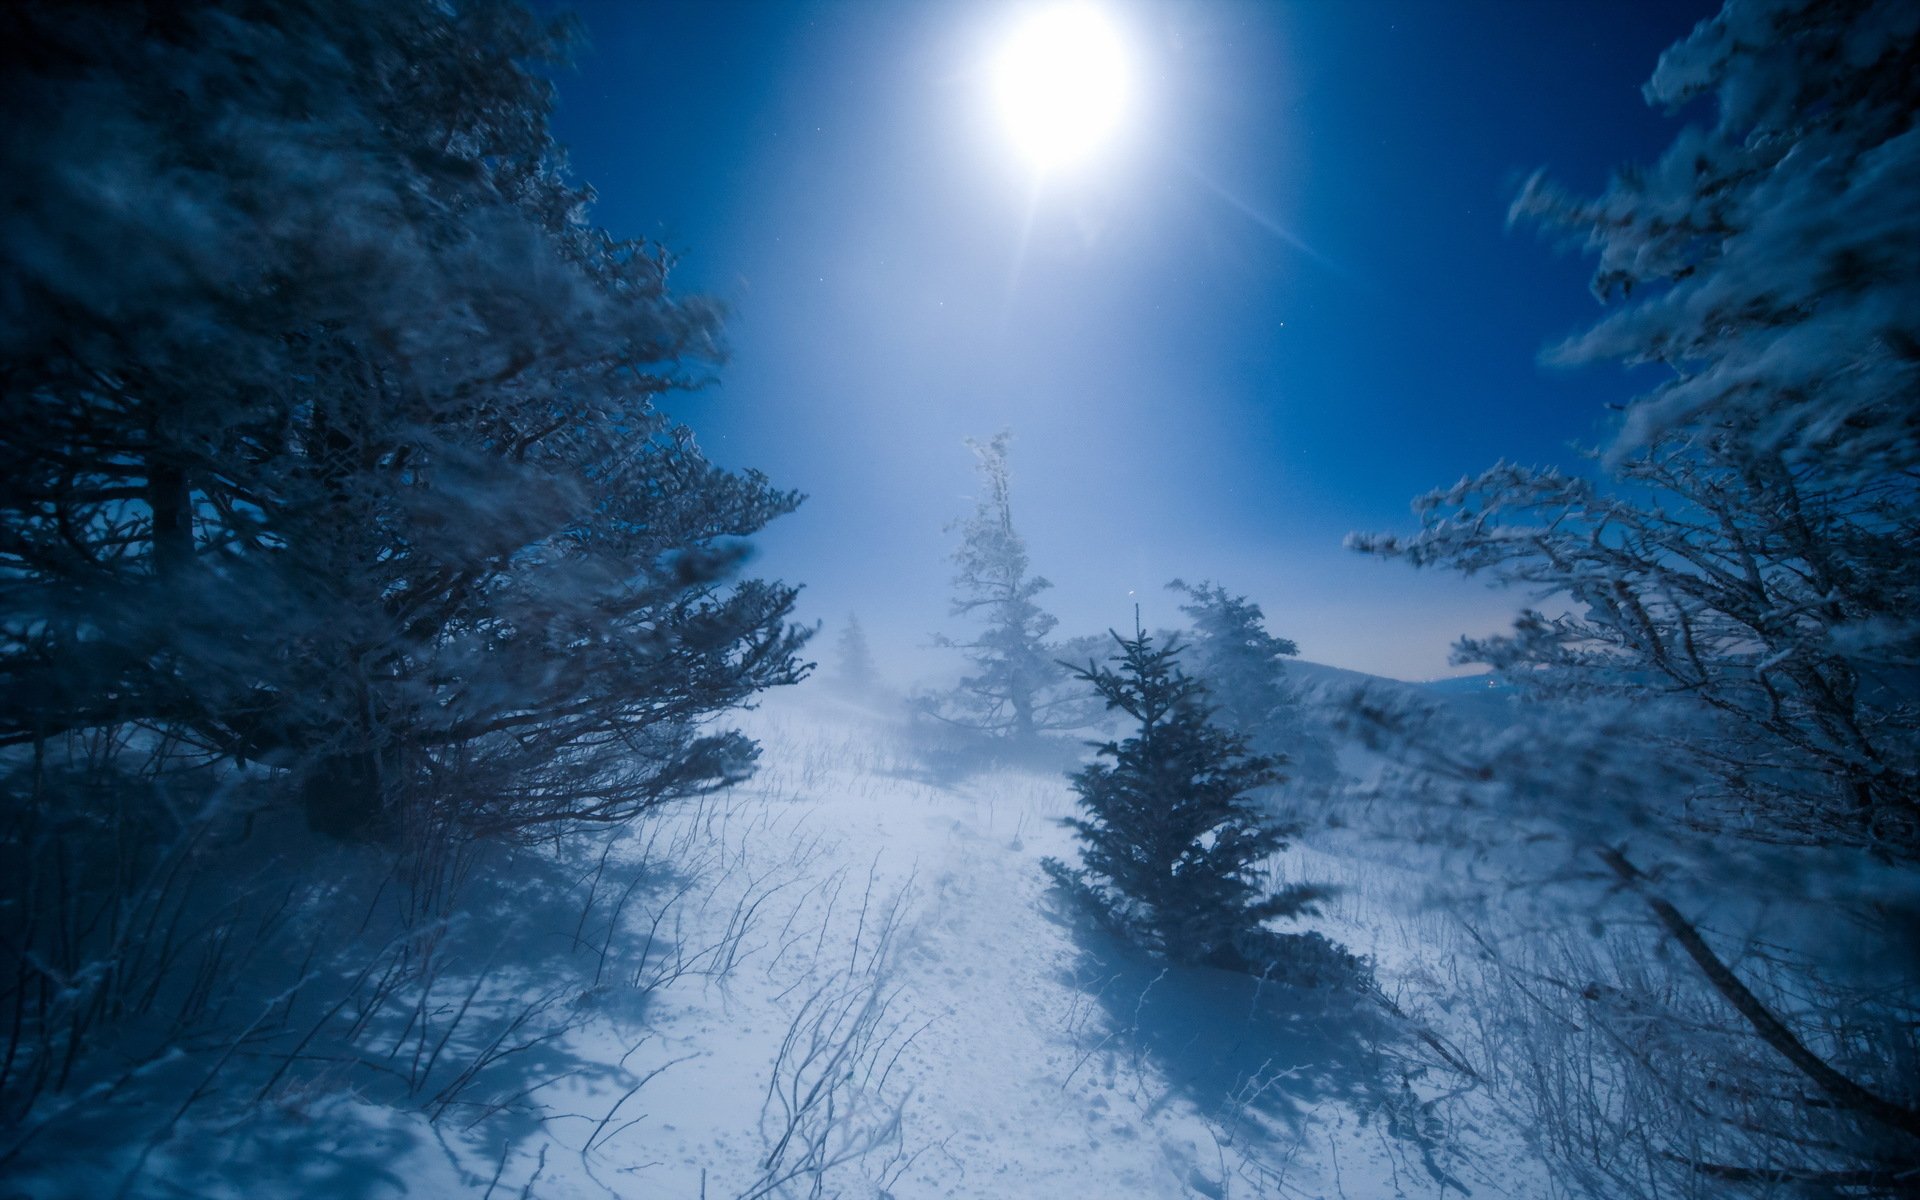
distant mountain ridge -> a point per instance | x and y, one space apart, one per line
1485 681
1483 693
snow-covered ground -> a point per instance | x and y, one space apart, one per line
848 977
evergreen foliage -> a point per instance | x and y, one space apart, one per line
1243 667
333 493
854 671
1018 688
1750 561
1737 574
1172 846
327 426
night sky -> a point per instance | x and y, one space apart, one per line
1280 305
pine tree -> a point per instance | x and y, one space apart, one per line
1171 845
1244 670
854 673
1738 566
1745 548
328 435
1019 689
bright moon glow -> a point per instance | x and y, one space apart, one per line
1061 84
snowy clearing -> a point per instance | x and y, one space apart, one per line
846 978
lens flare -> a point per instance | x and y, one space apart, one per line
1061 85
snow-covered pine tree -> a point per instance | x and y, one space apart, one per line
331 478
1018 688
854 672
1243 667
1740 569
1751 557
1172 845
327 427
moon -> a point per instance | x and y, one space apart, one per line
1061 85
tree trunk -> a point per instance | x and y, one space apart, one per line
171 503
1022 716
1770 1029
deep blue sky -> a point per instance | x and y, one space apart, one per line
1191 392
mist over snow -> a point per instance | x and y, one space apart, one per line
1275 306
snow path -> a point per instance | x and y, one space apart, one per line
1020 1060
847 978
982 980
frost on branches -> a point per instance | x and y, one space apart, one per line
1018 690
329 439
1726 728
1767 258
333 498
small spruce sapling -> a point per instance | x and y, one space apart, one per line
855 673
1172 845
